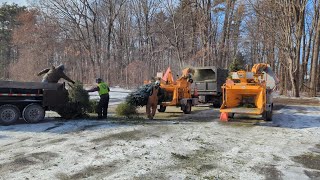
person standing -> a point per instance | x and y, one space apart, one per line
103 90
153 100
54 74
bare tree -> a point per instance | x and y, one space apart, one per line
315 53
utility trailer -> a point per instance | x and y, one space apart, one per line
208 81
29 100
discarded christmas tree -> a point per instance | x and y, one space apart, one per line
140 96
78 103
135 99
127 110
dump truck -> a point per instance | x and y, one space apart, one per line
29 100
249 92
177 93
207 81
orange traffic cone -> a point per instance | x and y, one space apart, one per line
224 117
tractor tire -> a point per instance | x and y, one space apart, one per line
9 114
162 108
187 108
33 113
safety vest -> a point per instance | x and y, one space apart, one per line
103 88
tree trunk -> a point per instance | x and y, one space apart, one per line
294 85
315 56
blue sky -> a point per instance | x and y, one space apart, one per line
19 2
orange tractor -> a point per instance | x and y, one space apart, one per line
177 93
249 92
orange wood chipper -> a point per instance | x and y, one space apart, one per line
249 92
177 93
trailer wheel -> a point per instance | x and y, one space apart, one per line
187 108
33 113
9 114
162 108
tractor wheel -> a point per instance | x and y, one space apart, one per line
187 108
9 114
162 108
33 113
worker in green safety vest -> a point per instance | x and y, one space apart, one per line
103 90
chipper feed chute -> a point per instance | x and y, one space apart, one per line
249 92
243 98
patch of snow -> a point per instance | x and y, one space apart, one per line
117 95
60 127
297 117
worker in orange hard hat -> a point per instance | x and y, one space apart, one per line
153 99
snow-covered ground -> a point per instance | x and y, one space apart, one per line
117 95
173 146
299 117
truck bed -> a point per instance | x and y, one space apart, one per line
49 94
29 85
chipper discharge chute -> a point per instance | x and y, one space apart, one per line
249 93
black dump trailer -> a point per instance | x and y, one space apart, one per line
208 81
29 100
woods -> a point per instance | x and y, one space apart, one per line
128 41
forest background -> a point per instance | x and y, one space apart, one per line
127 41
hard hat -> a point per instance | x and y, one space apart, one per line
157 83
98 80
